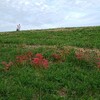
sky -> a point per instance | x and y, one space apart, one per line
43 14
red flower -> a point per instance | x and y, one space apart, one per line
7 65
40 62
36 61
98 59
98 64
21 58
38 55
56 56
78 56
45 63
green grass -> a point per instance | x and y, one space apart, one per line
71 79
80 37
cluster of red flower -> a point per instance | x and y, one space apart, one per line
39 60
7 65
21 59
24 58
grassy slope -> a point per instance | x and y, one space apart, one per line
81 37
70 80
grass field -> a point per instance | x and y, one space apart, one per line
71 72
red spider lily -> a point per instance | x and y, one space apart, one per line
40 62
38 55
45 63
7 65
56 56
21 58
98 59
36 61
78 56
98 64
29 54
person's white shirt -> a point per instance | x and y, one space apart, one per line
18 27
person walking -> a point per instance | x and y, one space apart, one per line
18 27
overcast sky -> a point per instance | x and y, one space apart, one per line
36 14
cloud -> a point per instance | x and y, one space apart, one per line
33 14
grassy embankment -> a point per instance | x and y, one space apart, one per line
73 76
